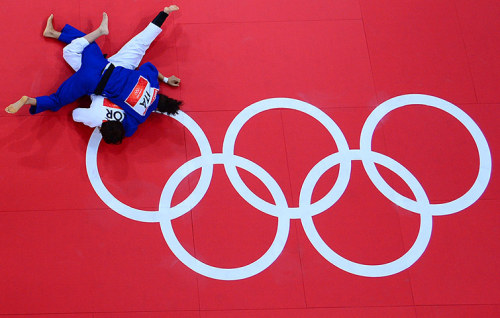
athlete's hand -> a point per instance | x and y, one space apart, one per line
173 81
171 8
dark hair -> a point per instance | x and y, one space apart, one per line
168 105
112 132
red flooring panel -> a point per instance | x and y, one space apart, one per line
159 227
48 164
478 24
396 312
433 146
485 117
348 228
416 47
323 62
487 311
280 10
459 265
89 315
81 261
173 314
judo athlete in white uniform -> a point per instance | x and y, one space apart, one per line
135 92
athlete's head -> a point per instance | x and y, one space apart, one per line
168 105
112 132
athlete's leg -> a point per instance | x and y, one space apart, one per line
15 107
76 86
66 35
83 50
49 31
72 53
70 33
131 54
101 30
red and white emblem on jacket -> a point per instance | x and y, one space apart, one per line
113 111
142 96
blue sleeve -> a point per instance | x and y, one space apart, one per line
149 68
149 71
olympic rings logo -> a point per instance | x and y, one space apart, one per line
306 210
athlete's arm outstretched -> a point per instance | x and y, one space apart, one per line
171 80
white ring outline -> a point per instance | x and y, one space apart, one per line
396 266
287 103
207 159
466 200
141 215
192 262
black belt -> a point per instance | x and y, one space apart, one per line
104 79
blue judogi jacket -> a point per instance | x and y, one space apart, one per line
136 92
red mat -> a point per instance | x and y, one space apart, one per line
270 91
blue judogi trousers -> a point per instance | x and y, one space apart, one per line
83 82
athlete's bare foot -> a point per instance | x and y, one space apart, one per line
49 31
14 108
103 28
170 8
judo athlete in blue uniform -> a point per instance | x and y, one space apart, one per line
134 91
130 55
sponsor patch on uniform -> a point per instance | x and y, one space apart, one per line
113 111
137 92
155 92
108 103
142 96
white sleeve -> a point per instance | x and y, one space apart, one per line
90 116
